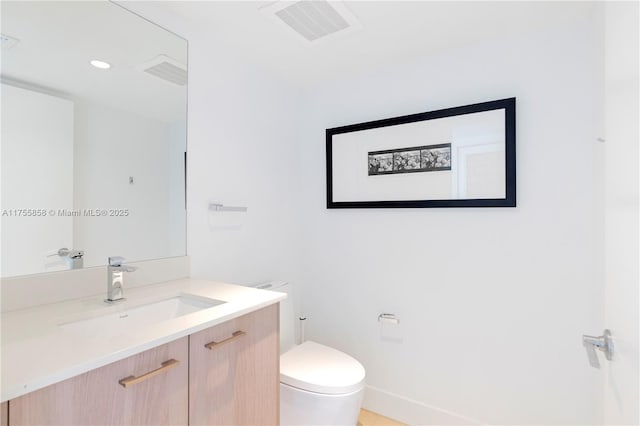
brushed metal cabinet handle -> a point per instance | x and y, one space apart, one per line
236 335
132 380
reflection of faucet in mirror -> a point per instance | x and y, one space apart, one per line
72 257
115 279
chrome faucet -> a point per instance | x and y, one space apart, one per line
115 279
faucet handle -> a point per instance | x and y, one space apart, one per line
76 254
65 252
116 260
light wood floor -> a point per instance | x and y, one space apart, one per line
368 418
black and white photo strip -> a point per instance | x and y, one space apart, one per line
428 158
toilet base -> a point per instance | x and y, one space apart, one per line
299 407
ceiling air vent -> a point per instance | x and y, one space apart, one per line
314 20
167 69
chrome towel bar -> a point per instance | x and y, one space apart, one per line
217 207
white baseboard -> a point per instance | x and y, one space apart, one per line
410 411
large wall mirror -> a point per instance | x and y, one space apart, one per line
93 153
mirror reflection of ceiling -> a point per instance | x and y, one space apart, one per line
67 35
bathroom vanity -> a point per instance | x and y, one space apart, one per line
214 361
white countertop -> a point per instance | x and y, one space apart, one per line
37 352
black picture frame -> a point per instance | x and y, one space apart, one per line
509 107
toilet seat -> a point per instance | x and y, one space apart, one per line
317 368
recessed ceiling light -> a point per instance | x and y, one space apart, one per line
100 64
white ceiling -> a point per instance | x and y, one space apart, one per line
393 31
59 38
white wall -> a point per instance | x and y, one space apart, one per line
492 302
622 392
243 133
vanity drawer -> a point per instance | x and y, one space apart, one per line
150 388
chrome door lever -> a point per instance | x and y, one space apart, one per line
604 343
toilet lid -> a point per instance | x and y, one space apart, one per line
317 368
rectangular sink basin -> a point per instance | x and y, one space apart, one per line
140 316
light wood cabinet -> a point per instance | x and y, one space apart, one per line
234 371
4 414
156 393
225 375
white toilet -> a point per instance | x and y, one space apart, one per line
319 385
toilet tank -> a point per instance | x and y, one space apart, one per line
287 313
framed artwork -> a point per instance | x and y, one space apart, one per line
455 157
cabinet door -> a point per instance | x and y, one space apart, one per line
234 375
156 393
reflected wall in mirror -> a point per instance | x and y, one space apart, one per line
93 159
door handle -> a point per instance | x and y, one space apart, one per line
603 343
